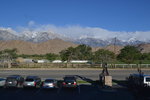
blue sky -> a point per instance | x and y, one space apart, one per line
113 15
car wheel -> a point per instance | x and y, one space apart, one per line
36 86
5 87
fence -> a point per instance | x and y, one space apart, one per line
71 65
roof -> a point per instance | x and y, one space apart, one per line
32 77
139 75
14 76
69 77
50 79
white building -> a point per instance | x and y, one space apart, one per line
79 61
42 61
57 61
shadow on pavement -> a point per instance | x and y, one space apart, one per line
123 83
93 82
83 92
139 93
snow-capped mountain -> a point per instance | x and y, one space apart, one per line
34 36
101 42
7 34
42 36
91 42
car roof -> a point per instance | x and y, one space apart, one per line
50 79
70 78
147 75
32 77
2 79
13 76
143 75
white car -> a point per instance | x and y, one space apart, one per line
2 82
50 83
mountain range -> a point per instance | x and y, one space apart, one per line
41 36
34 42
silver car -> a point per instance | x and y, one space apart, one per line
50 83
32 81
2 82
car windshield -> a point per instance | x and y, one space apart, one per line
1 79
148 79
11 79
29 80
49 81
69 80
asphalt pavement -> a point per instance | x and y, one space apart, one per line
83 92
93 74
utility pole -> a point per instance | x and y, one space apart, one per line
115 45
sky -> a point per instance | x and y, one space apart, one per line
113 15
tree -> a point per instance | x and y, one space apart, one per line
8 55
68 54
11 52
129 54
145 56
83 52
102 56
51 56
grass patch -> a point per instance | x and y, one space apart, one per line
81 81
114 83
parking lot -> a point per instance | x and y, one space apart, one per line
84 91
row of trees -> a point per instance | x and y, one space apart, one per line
129 54
84 52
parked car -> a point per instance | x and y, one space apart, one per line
139 80
69 82
14 81
32 81
2 82
50 83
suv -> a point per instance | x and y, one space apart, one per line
69 82
14 81
32 81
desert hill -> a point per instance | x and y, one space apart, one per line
144 48
23 47
55 46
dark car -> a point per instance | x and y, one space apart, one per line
32 81
69 82
2 82
14 81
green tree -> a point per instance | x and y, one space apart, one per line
12 53
68 54
129 54
103 55
145 56
83 52
8 55
51 56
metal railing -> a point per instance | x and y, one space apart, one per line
73 65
